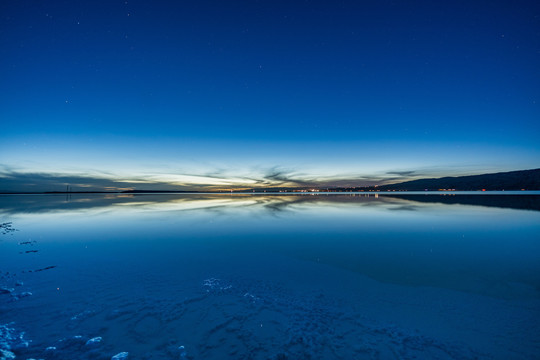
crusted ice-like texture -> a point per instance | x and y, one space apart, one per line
11 339
120 356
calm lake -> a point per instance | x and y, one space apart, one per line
311 276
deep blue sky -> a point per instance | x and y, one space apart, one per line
229 92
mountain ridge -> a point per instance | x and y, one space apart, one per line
511 180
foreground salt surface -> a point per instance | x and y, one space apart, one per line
234 317
203 301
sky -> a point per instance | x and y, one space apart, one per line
194 95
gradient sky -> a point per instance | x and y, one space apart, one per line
223 94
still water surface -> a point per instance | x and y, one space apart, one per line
270 277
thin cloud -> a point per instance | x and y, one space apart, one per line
219 179
281 177
403 173
39 182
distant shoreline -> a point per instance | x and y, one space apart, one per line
521 180
292 192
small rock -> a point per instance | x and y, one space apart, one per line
25 294
120 356
183 353
19 283
50 348
94 341
6 290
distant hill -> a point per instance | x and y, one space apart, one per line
513 180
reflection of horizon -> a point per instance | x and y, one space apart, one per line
22 204
29 204
521 202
